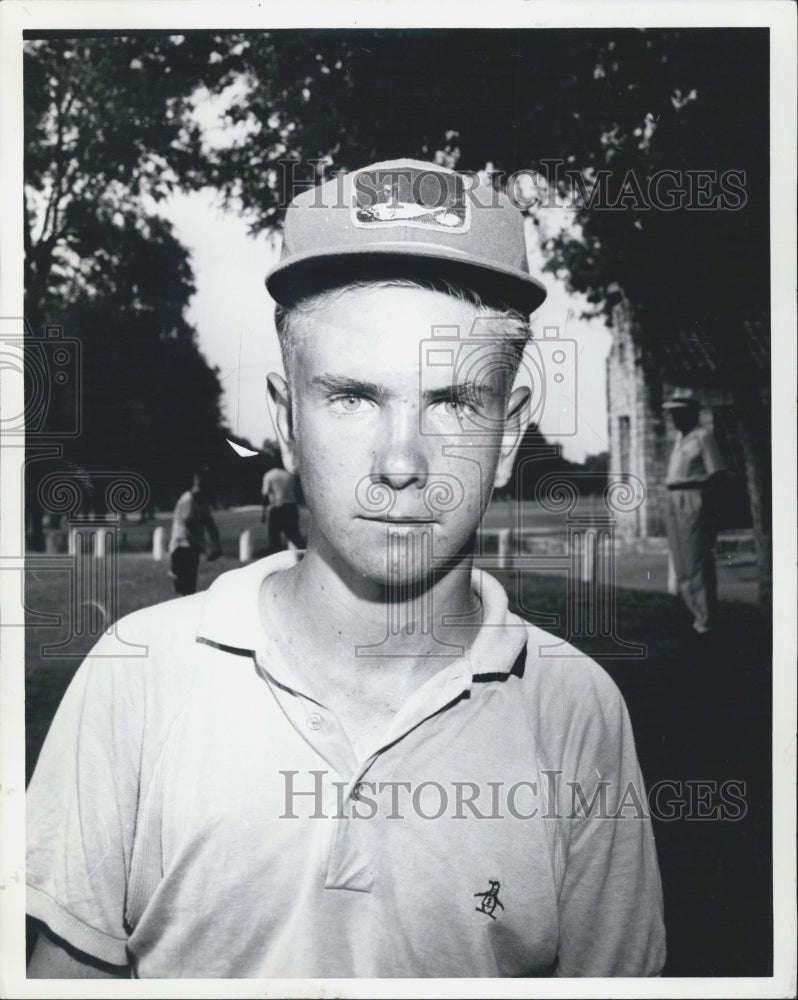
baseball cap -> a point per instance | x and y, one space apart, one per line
406 219
681 398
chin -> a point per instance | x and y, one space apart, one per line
411 560
380 572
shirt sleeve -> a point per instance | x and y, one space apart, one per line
611 911
713 460
81 808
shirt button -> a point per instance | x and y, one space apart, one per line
357 791
314 721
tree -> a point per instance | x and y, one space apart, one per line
537 458
108 133
149 402
107 125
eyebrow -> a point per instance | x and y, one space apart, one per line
348 386
461 392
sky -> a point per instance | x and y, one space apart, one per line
233 316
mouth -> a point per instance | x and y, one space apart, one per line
401 520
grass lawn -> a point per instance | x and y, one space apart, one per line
701 713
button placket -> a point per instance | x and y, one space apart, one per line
352 858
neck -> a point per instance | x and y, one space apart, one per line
362 622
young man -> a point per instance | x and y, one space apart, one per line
693 479
356 761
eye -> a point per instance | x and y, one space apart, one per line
349 403
457 407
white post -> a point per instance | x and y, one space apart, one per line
588 556
245 546
504 546
673 586
158 544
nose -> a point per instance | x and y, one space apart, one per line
399 459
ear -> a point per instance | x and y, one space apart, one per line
515 423
280 405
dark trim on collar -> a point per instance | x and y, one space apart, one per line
236 650
517 670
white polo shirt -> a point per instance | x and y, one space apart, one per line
196 813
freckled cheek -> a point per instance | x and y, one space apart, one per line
332 461
474 466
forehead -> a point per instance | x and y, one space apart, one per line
387 307
388 326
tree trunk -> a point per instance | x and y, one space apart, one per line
754 428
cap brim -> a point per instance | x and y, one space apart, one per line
306 274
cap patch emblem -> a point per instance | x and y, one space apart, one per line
410 196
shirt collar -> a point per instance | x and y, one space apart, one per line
501 636
230 618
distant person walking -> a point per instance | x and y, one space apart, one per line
192 518
279 500
693 478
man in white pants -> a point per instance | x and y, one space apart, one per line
693 478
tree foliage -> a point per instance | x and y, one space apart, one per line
627 100
537 458
107 124
108 133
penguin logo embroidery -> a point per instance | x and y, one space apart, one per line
490 899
